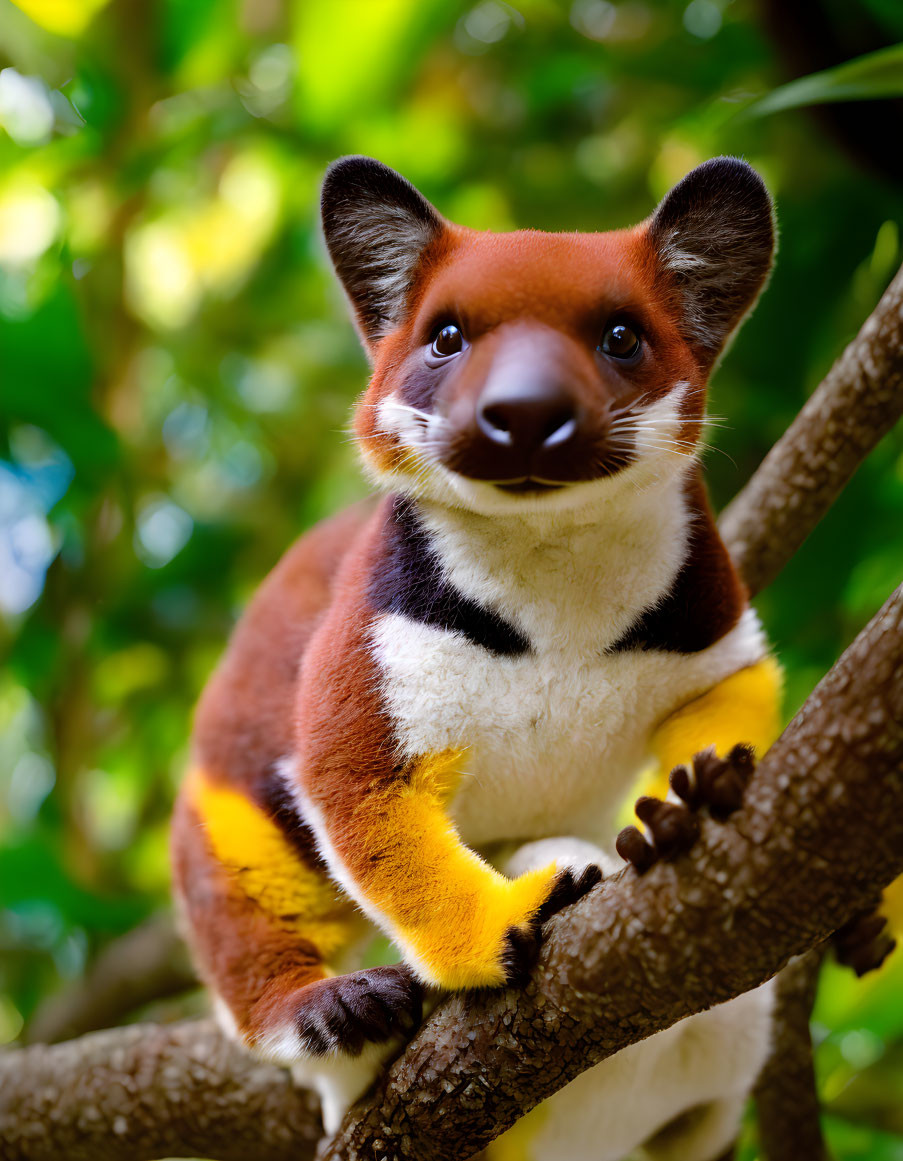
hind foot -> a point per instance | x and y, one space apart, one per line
344 1013
864 943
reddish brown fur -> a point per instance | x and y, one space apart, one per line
244 720
244 726
571 283
343 733
299 678
242 952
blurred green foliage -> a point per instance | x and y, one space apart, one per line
176 369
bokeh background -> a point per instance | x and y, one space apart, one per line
177 367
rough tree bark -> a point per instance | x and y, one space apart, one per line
803 856
856 404
786 1094
148 1091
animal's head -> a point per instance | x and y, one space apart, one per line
530 372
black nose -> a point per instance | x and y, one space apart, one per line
527 418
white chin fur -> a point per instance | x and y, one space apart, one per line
655 463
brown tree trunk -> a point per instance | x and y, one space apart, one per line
787 1094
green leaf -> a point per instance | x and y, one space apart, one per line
867 78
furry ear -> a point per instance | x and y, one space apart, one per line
714 238
377 226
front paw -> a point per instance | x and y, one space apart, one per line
713 782
492 939
710 783
569 886
671 829
345 1013
522 944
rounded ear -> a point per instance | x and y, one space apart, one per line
377 226
714 239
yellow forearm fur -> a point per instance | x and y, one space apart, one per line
447 908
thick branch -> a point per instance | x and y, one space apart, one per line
148 963
145 1092
639 954
857 403
786 1093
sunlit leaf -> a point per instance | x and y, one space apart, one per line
64 17
351 53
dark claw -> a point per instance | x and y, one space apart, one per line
519 956
672 828
718 783
683 785
633 848
569 887
522 947
344 1013
863 944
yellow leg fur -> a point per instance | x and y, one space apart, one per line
447 909
269 870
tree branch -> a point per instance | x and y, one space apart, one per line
632 958
856 404
143 1092
786 1093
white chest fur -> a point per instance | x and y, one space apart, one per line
554 736
568 580
553 739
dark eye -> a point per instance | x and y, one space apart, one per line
449 341
620 341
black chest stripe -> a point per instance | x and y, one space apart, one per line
705 601
672 626
409 579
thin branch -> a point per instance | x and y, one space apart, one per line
857 403
786 1092
144 1092
148 963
